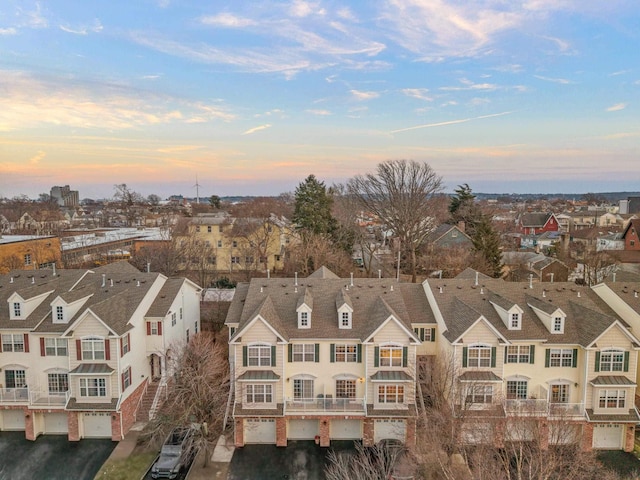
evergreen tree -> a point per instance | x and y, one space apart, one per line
464 209
486 241
312 212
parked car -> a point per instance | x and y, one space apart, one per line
176 453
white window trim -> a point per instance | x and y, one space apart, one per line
553 324
94 341
474 346
304 353
259 345
341 316
99 387
611 351
392 346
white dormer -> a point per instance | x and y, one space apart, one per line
305 306
345 310
20 308
552 317
515 318
63 312
509 312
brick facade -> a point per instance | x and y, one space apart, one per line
239 432
29 425
74 427
587 437
130 406
367 432
629 439
281 432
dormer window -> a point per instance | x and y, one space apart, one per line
345 320
514 321
59 314
17 309
303 320
558 325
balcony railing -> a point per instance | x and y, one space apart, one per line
566 409
543 408
40 398
14 395
326 404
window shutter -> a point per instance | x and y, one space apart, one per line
547 357
405 354
359 352
0 347
317 352
244 356
597 365
122 380
332 352
505 354
148 328
42 349
121 347
433 334
290 353
574 359
273 355
532 356
159 328
626 361
417 332
376 357
494 352
26 343
129 340
107 349
464 357
78 349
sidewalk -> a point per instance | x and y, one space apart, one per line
127 444
218 465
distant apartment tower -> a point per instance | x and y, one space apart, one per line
630 205
65 197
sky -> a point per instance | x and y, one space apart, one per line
251 97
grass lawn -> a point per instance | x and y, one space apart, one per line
133 468
622 463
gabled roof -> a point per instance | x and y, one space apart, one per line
535 219
323 272
470 273
635 223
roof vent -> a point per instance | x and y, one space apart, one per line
295 278
481 291
440 289
392 288
104 280
11 280
578 294
352 279
33 280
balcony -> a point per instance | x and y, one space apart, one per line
535 407
14 395
45 399
326 404
566 409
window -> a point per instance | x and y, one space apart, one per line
59 313
220 228
425 334
55 347
13 342
93 387
212 260
345 320
126 378
612 398
181 314
27 259
302 389
514 323
559 393
558 325
517 389
208 228
346 353
187 335
15 379
518 354
248 260
561 357
391 356
390 394
173 319
234 243
152 328
195 326
197 228
480 394
479 356
612 361
345 389
259 355
16 309
219 243
304 352
125 344
304 320
235 260
259 393
93 349
58 383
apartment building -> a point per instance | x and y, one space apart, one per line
80 347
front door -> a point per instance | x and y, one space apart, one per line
156 367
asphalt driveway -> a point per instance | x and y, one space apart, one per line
300 460
51 457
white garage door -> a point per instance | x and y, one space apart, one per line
607 436
12 420
389 429
97 425
56 423
303 429
260 430
346 429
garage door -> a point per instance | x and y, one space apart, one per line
389 429
56 423
97 425
346 429
303 429
12 420
260 430
607 436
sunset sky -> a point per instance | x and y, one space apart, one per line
252 96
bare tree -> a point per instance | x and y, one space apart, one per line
317 251
401 193
380 462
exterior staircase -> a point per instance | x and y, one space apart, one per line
147 403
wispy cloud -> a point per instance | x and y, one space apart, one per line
320 113
362 96
256 129
83 29
450 122
561 81
419 93
227 20
562 45
37 157
302 8
617 107
469 85
620 135
8 31
619 72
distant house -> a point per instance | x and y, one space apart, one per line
448 236
535 223
630 235
523 266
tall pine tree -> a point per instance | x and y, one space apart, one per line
312 212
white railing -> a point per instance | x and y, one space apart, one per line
157 400
566 409
47 399
326 404
543 407
14 395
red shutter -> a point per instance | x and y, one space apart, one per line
129 341
148 328
159 328
42 351
121 347
78 349
107 349
122 381
26 343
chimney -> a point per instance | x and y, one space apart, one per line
352 279
104 280
461 226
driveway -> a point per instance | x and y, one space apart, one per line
51 457
300 460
